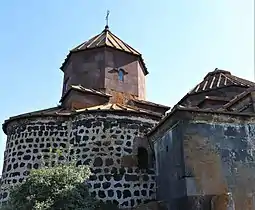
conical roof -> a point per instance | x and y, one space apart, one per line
106 39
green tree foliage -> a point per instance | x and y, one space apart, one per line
48 188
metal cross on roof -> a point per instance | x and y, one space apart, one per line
107 18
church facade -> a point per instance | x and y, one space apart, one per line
137 152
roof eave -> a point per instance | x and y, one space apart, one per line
81 50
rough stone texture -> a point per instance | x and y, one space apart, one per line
98 69
99 140
200 157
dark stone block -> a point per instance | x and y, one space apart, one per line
126 185
108 177
119 142
85 138
146 178
85 149
101 194
128 143
93 177
101 177
84 156
132 201
137 193
128 150
122 170
144 192
108 161
95 149
119 194
130 170
114 170
131 177
97 185
106 170
106 185
27 157
118 149
152 185
117 177
98 143
106 143
117 185
29 140
98 162
126 194
16 165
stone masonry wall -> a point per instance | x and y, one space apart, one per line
103 141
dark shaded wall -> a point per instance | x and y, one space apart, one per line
169 165
200 157
221 157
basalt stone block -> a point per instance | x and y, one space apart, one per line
146 178
101 194
110 193
136 193
119 142
126 185
128 143
101 177
27 157
117 185
117 177
106 185
93 177
119 194
128 150
126 194
95 149
108 177
98 162
144 192
106 143
108 161
114 170
97 185
98 143
131 177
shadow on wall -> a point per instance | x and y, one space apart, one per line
205 165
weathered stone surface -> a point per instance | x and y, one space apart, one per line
99 141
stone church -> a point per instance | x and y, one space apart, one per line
189 157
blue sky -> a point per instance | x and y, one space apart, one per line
180 41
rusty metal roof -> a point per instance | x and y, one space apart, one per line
116 107
218 79
106 39
84 90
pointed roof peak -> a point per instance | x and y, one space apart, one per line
106 39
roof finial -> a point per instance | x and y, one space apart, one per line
107 19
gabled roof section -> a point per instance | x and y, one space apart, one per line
238 98
219 79
106 39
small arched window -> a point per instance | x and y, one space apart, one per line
121 75
142 158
